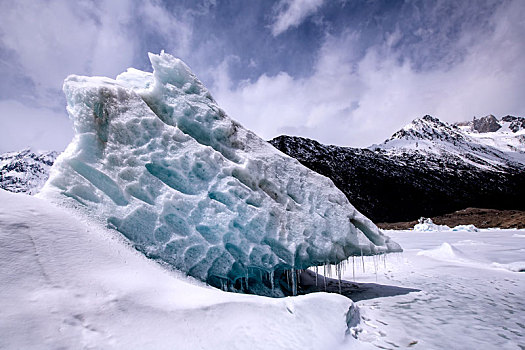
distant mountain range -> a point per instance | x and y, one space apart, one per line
427 168
25 171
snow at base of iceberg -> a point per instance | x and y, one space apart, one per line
155 158
516 266
68 284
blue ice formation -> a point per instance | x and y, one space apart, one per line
157 159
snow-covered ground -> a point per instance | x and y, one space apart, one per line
65 283
471 293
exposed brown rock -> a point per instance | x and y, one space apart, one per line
486 124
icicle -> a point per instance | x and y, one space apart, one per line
247 286
294 282
339 279
375 265
271 279
287 277
362 260
324 277
353 267
384 260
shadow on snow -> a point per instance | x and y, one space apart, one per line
353 290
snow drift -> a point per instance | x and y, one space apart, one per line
69 284
155 158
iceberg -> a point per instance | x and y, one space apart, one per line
466 228
155 158
427 225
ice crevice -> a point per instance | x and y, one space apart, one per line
155 158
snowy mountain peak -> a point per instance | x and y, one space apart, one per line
432 129
428 128
485 142
25 171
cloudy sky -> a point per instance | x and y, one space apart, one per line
345 72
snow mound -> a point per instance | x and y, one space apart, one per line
69 284
155 158
450 253
446 252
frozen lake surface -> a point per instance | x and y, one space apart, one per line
471 295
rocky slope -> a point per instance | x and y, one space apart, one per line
428 168
25 171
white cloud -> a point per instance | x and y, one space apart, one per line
347 99
359 103
173 30
291 13
53 39
48 40
39 128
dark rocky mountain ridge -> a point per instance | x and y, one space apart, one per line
428 168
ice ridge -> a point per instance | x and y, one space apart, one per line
156 158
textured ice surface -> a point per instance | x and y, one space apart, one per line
157 159
467 228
